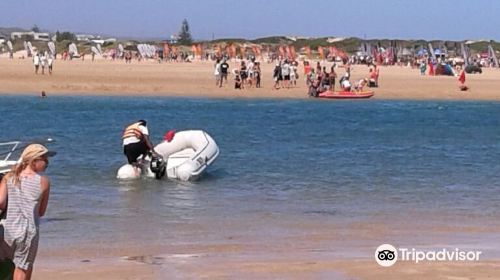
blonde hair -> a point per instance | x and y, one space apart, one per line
28 156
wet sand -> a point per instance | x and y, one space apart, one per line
307 250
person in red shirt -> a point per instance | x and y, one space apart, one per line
461 80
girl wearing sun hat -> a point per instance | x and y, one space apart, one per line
27 193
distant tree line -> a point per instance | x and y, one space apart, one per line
61 36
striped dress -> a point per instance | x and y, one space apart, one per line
20 227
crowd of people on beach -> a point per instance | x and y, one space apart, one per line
246 75
43 60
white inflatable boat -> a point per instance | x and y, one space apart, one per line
185 157
6 163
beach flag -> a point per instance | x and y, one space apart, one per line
257 49
217 51
193 49
282 51
320 52
292 52
233 50
242 52
308 52
165 50
200 50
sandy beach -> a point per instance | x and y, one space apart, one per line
149 78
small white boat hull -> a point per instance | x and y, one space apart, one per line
188 155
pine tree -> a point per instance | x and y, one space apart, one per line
184 34
35 28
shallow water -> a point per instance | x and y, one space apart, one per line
284 165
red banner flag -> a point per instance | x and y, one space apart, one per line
281 51
165 50
320 52
292 52
242 52
308 52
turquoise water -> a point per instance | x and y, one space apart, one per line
280 160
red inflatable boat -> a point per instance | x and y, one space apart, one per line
346 94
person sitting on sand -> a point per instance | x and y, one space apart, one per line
361 84
237 80
314 87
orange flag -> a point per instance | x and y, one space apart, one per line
217 50
165 50
233 51
282 51
193 49
308 52
242 52
258 51
320 52
292 52
199 50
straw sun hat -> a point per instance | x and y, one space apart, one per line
34 151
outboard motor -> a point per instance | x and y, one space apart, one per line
158 166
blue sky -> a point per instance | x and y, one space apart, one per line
394 19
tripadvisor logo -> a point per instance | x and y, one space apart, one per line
387 255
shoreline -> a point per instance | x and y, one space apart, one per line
195 80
